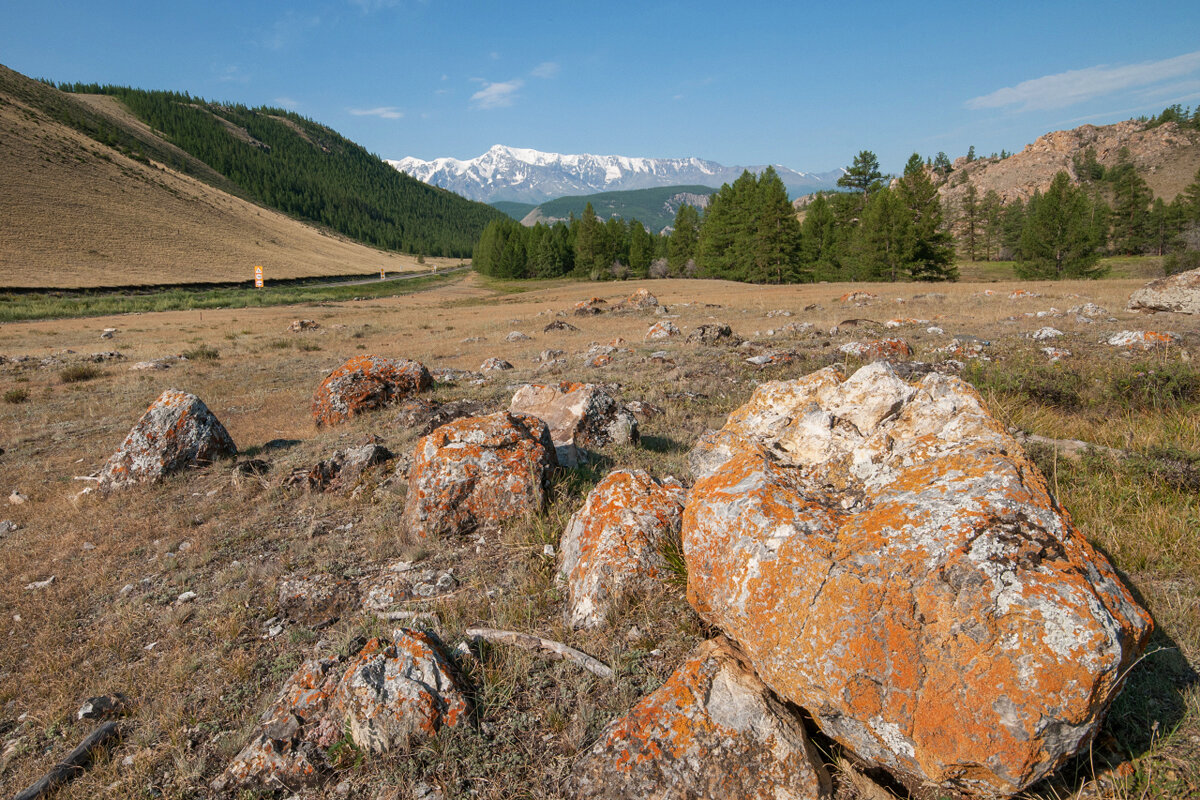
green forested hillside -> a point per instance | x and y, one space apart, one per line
655 208
513 209
283 160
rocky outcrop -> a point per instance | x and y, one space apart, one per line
1142 340
589 307
640 300
476 472
663 329
578 415
891 561
1178 293
366 383
177 431
342 471
390 694
713 730
877 349
613 544
718 333
422 415
396 692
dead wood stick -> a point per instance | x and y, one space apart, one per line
1070 448
549 648
75 763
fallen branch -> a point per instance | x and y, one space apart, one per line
551 649
1070 448
75 763
430 617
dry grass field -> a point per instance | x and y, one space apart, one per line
201 672
78 214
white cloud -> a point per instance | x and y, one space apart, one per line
232 74
383 112
369 6
287 102
546 69
1075 86
289 30
497 95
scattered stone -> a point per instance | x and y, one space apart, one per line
1088 311
857 298
472 340
366 383
342 471
778 313
516 336
399 692
448 376
661 357
935 330
612 545
900 322
550 355
299 325
559 325
176 432
773 359
108 706
1021 294
1142 340
244 471
579 415
387 696
495 365
663 329
8 526
16 498
712 335
589 307
150 366
892 562
877 349
964 348
640 300
476 472
1056 353
422 415
108 333
1176 293
713 730
36 585
642 409
186 597
1045 334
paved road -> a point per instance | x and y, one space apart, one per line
401 276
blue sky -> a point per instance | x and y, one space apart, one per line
806 85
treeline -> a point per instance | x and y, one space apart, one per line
1064 231
288 162
749 232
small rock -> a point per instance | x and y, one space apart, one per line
1043 334
516 336
108 333
495 365
8 526
559 325
40 584
107 706
303 325
17 499
126 589
186 597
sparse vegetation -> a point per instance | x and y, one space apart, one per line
77 373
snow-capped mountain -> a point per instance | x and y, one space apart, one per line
531 176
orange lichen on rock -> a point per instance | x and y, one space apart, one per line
613 544
388 695
177 431
890 560
366 383
877 349
477 472
712 730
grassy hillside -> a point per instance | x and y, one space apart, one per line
654 208
285 161
79 213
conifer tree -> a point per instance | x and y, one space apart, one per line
681 245
929 254
1131 206
777 232
1060 238
972 222
819 241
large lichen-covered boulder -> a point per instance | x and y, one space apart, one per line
392 693
890 560
477 472
613 544
713 730
1178 293
579 415
396 692
177 431
366 383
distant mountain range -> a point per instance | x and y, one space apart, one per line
654 208
531 176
